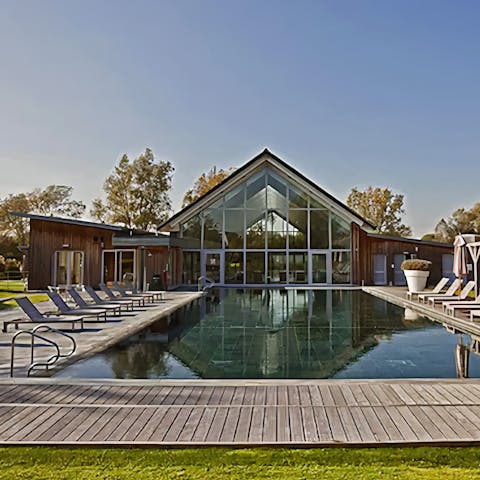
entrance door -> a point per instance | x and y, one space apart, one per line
320 271
213 266
379 269
68 268
447 266
398 275
118 265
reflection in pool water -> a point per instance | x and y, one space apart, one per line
271 333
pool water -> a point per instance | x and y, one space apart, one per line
275 333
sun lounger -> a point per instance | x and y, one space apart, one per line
456 284
475 315
124 294
450 307
35 316
80 301
463 295
157 294
101 302
140 301
436 290
67 310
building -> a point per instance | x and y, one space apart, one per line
266 224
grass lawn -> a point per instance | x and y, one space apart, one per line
12 286
210 463
34 297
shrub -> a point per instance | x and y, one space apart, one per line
12 265
2 263
423 265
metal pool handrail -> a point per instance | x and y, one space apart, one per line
201 280
34 333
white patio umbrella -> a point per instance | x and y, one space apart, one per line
459 257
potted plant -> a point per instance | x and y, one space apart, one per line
416 272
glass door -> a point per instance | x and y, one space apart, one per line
213 266
68 268
118 265
320 271
398 276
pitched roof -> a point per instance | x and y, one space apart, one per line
266 156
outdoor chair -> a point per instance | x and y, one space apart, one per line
101 302
124 293
157 294
67 310
451 307
456 284
463 295
140 301
35 316
80 301
436 290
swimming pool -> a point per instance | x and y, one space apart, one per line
278 333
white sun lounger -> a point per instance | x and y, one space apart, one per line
463 295
451 290
436 290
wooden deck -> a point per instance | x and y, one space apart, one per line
292 413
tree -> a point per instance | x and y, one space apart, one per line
460 221
52 200
136 193
205 183
382 208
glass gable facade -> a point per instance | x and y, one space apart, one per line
267 231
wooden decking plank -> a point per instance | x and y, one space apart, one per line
161 394
335 423
8 390
79 417
243 427
173 432
323 426
256 426
165 424
15 415
350 399
388 424
454 420
371 396
217 395
349 425
238 396
186 435
194 396
361 423
129 420
392 395
139 397
400 391
296 427
326 394
227 396
282 395
380 394
427 395
271 395
375 425
249 397
91 417
230 424
27 420
260 395
470 416
420 432
315 396
201 431
269 433
304 395
293 395
402 425
44 427
468 398
218 423
102 424
444 422
445 394
283 424
59 425
152 423
309 425
359 395
110 425
429 425
137 426
184 393
337 395
170 397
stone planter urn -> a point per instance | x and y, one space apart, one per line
416 272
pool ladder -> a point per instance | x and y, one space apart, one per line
35 333
205 283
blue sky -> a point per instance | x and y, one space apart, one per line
352 93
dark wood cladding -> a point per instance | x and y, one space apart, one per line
364 247
47 237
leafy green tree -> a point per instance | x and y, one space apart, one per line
382 208
52 200
136 193
205 183
461 220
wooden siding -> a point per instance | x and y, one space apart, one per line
364 247
47 237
